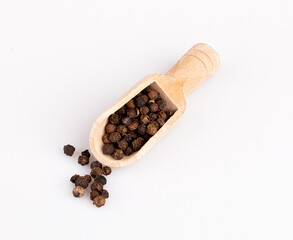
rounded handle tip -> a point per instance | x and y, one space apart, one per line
197 65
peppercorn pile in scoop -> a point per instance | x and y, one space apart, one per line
98 194
129 128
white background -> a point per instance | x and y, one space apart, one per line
223 172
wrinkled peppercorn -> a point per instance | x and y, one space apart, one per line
160 121
121 111
131 113
73 178
122 130
96 164
117 154
156 124
114 119
122 144
99 201
105 138
86 153
94 194
152 129
153 116
105 193
133 126
153 107
128 151
96 186
68 150
110 128
137 143
141 100
161 103
162 114
83 160
141 129
131 104
101 179
107 170
126 121
114 137
78 192
96 171
144 110
108 149
130 136
153 95
82 181
88 178
144 119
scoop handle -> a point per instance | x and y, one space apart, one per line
196 66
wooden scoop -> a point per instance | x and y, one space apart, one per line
197 65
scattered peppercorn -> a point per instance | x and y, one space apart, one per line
94 194
101 179
83 160
128 129
99 201
78 192
107 170
96 171
88 178
73 178
96 186
96 164
82 182
86 153
68 150
105 193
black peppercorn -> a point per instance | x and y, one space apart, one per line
101 179
131 113
117 154
96 186
99 201
122 144
121 111
105 138
131 104
86 153
68 150
137 143
153 107
105 193
162 114
152 129
88 178
133 126
78 192
114 119
161 121
126 121
108 149
96 164
130 136
141 129
128 151
156 124
114 137
144 110
96 171
110 128
153 95
94 194
144 119
82 181
161 103
73 178
122 130
141 100
107 170
153 116
83 160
